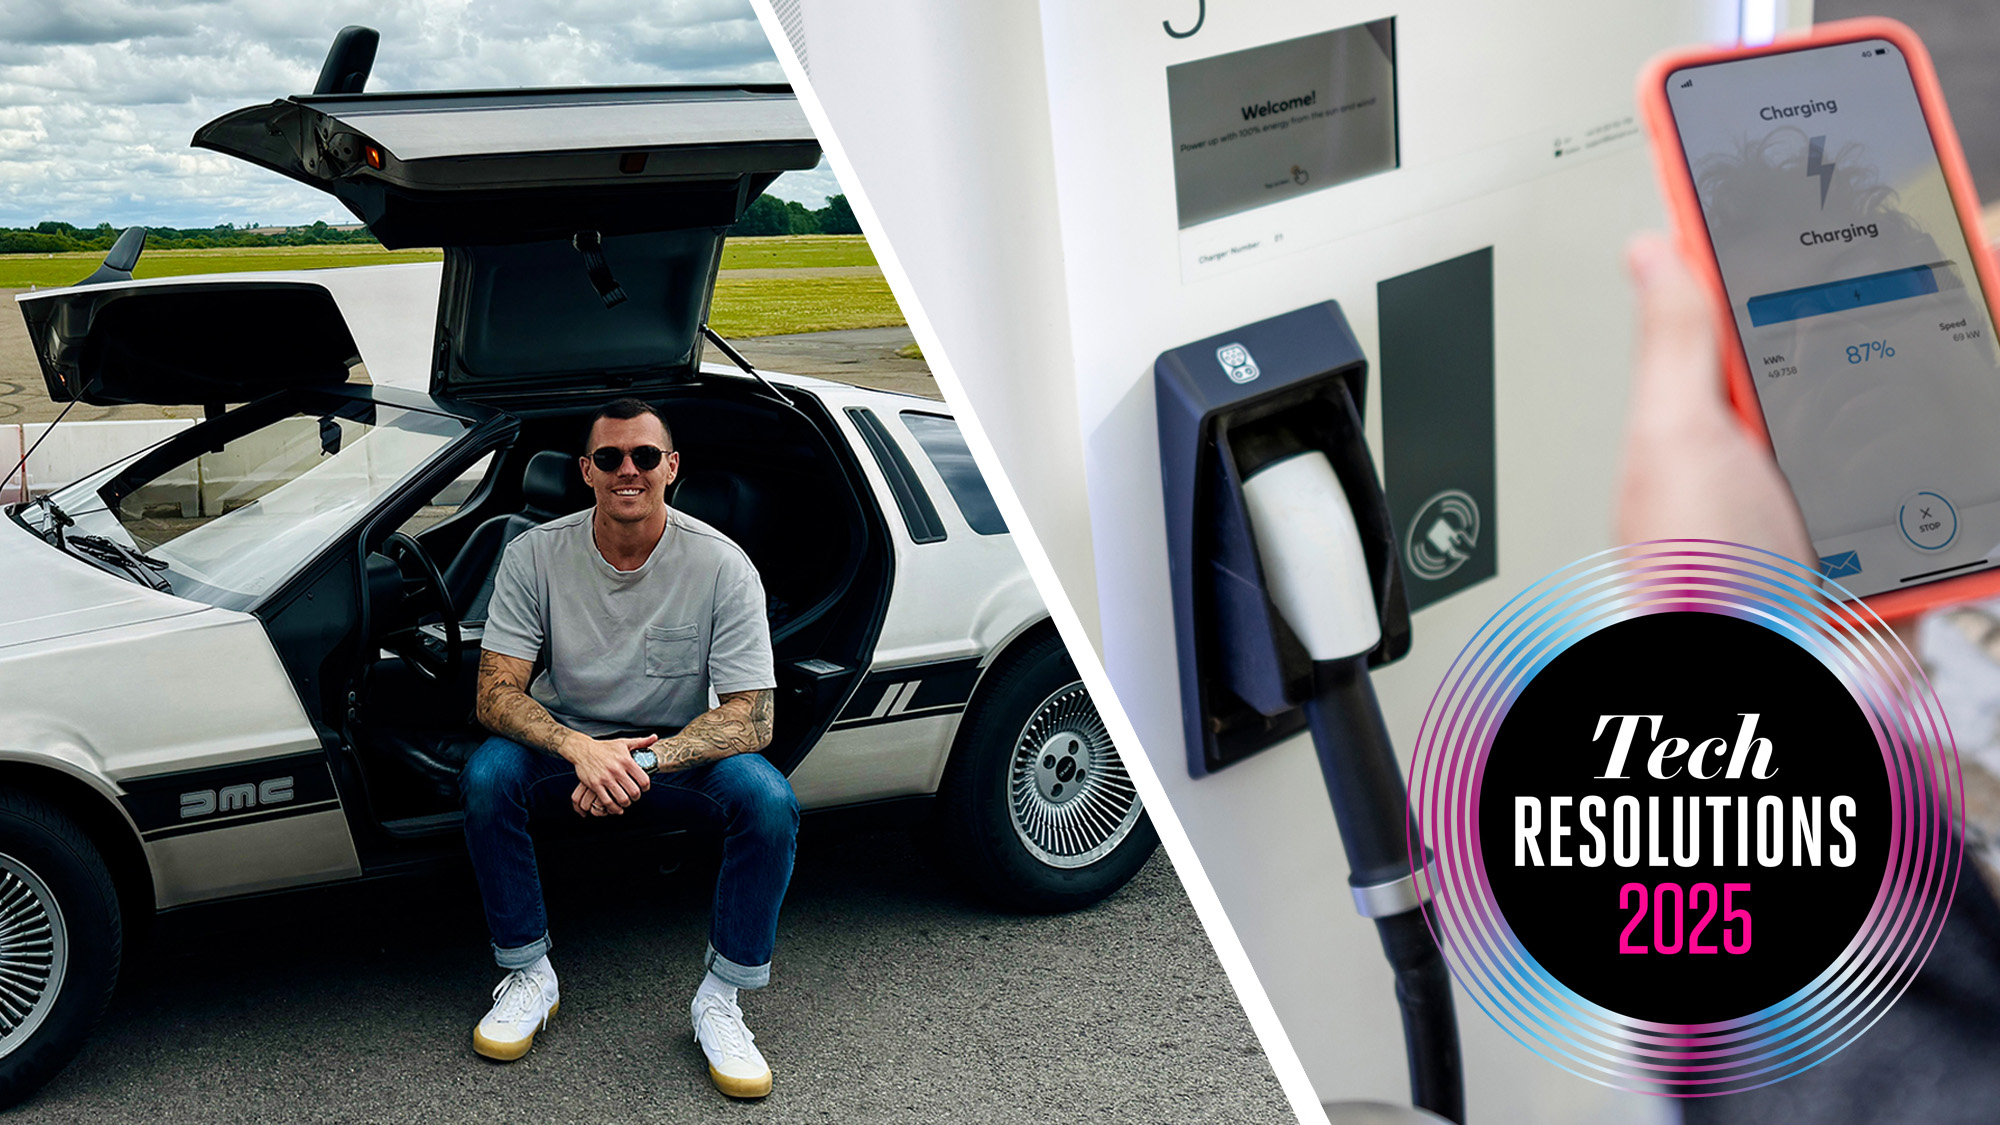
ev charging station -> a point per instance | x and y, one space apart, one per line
1085 195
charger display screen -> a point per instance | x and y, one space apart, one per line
1269 123
1867 334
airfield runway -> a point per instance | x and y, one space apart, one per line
867 356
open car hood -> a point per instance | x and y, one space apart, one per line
550 205
224 338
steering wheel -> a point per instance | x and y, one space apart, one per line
411 644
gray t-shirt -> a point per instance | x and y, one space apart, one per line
631 650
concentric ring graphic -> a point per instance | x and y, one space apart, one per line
1926 811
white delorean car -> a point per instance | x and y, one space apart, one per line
242 660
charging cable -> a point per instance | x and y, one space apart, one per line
1317 576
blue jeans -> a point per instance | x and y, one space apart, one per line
505 784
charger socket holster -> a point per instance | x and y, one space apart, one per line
1228 406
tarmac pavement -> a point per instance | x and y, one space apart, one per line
871 357
894 999
867 356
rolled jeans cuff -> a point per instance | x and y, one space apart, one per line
523 956
729 972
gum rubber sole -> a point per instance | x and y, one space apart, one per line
508 1052
740 1087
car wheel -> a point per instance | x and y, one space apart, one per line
60 942
1036 808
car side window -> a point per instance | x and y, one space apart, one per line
919 514
944 443
449 499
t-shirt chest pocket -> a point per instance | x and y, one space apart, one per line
673 650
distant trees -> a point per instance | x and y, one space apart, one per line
837 217
32 242
58 237
771 215
767 215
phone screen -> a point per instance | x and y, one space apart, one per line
1867 334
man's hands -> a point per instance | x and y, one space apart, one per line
1691 472
740 723
608 781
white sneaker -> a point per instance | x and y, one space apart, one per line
522 1005
734 1064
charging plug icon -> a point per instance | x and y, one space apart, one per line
1449 541
1443 536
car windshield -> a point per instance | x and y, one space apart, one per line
232 518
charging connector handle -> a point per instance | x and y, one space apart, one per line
1371 808
1314 566
1366 785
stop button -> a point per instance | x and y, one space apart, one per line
1928 520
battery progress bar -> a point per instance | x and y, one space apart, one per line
1852 293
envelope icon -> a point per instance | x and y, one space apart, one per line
1841 565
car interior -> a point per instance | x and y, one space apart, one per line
761 471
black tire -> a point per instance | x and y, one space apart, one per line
1001 812
50 872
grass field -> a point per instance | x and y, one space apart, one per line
750 307
20 271
777 306
796 251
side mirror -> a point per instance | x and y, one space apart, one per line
124 255
381 589
348 62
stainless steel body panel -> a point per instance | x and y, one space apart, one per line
957 601
316 848
173 687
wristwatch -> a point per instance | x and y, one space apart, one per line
647 760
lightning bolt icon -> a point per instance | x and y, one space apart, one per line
1816 165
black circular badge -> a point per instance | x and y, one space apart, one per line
1685 817
1689 814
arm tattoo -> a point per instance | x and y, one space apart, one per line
739 724
504 707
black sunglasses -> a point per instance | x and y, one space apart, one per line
645 458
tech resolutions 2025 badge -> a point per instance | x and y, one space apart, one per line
1694 817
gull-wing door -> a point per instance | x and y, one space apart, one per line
582 228
223 338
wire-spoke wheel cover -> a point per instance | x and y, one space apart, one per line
1068 795
34 953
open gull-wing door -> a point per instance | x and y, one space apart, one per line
582 228
187 341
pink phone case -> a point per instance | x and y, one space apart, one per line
1677 185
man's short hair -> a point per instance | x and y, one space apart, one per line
624 409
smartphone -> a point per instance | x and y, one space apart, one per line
1820 179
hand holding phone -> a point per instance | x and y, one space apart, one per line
1818 185
1690 469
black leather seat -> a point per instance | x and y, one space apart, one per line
545 488
725 502
729 503
404 713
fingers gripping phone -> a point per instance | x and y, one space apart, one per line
1819 184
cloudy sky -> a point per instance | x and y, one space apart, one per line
99 97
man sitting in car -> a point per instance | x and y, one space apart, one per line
657 692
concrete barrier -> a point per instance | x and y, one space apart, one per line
214 482
76 450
